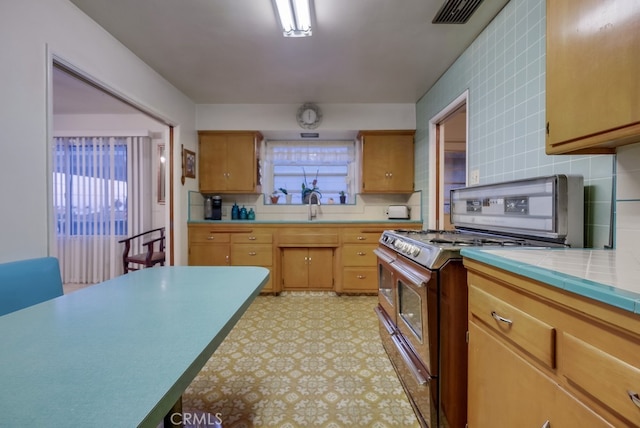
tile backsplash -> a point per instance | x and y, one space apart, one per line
365 208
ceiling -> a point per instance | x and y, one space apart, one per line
232 52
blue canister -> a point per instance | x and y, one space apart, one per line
235 212
243 213
251 215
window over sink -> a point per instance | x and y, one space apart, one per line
291 164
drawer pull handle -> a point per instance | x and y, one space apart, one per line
501 319
361 238
252 253
634 397
361 253
210 238
252 238
361 276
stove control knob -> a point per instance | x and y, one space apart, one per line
415 252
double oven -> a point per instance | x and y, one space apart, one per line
422 283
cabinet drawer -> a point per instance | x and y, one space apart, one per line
252 238
603 376
360 279
358 255
251 255
358 237
529 333
206 235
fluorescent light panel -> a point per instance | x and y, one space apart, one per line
295 17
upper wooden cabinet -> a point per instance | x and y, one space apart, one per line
228 161
387 161
593 64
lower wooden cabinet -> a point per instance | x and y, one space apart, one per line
307 268
337 257
507 391
541 356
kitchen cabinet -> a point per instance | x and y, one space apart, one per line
307 268
208 247
593 90
254 248
387 161
307 257
228 162
299 256
539 353
226 245
359 263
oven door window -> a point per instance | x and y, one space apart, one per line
410 308
385 283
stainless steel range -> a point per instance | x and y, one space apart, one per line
423 287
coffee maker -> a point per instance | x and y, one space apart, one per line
216 208
213 208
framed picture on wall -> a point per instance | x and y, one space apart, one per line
189 166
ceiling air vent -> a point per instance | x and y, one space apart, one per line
456 11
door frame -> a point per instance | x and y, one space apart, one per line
436 158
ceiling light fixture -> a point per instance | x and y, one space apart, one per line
295 17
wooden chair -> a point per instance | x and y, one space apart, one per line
149 258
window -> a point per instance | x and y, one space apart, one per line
288 165
90 186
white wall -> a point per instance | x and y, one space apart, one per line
282 117
31 32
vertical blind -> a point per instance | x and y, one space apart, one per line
100 193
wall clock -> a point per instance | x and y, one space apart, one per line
309 116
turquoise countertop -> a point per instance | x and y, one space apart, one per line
608 276
244 222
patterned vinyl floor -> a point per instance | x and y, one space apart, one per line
303 360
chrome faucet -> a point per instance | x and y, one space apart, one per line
312 215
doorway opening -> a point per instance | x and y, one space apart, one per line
88 119
448 136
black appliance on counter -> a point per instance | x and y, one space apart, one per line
422 282
213 208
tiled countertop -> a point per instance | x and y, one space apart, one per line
609 276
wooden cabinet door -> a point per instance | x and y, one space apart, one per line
204 254
241 163
387 163
307 268
212 163
593 64
320 268
294 268
506 391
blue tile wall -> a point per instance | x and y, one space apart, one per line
504 72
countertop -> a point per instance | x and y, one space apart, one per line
608 276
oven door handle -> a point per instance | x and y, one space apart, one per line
419 279
383 319
383 256
407 360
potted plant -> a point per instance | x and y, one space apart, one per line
286 194
307 189
274 197
343 197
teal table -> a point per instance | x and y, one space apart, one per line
119 353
